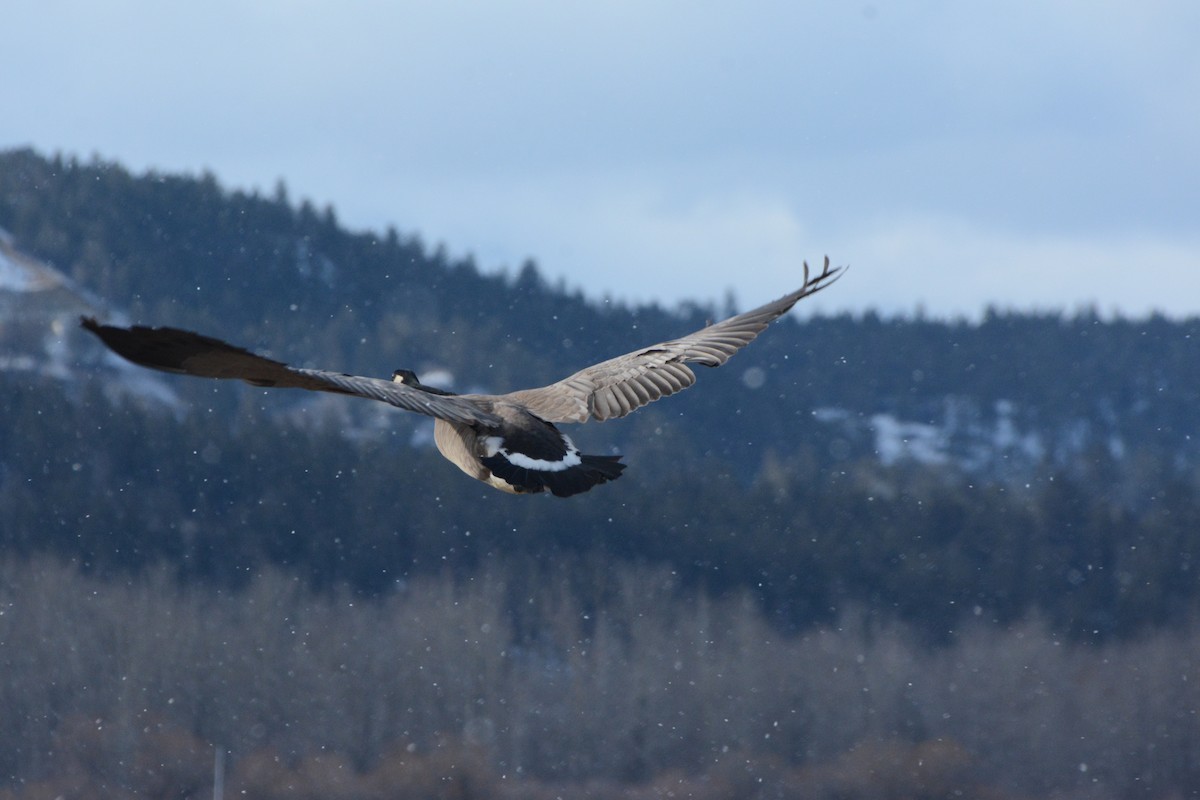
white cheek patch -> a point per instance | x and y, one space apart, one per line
495 444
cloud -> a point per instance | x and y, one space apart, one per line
951 267
633 241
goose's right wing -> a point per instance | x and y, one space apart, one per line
188 353
623 384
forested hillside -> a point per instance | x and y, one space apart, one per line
1060 478
949 476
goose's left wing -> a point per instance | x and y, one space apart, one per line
188 353
623 384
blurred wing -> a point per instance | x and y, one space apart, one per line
623 384
187 353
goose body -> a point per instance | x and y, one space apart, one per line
509 441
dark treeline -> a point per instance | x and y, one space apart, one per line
115 488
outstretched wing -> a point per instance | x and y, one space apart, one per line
623 384
187 353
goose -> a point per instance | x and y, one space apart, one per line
509 441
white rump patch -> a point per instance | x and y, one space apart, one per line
495 444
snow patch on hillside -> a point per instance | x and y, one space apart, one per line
18 273
896 440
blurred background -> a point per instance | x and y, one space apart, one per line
934 534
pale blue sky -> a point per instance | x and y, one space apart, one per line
1026 154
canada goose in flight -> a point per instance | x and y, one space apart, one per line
508 441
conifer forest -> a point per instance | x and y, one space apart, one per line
871 557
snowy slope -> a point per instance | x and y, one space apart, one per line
40 309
